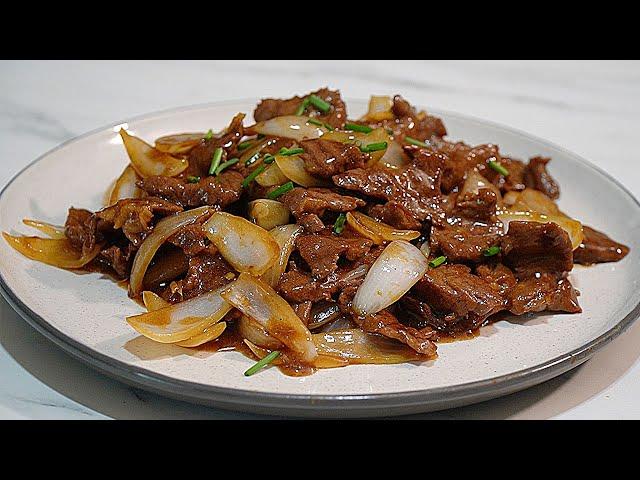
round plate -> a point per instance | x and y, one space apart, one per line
84 314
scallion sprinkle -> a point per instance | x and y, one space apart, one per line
328 127
225 165
373 147
436 262
193 179
302 107
498 168
260 364
280 190
290 151
215 160
252 176
319 103
209 135
268 158
260 136
338 226
252 159
354 127
313 121
491 251
244 145
414 141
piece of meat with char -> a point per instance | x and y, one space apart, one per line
322 252
463 240
536 176
317 201
206 273
596 247
546 291
325 158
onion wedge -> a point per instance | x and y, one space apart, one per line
293 168
379 109
209 333
257 334
181 321
262 304
285 236
180 143
53 231
290 126
125 186
378 135
153 302
149 161
272 176
58 252
394 156
377 231
246 246
397 269
163 230
268 213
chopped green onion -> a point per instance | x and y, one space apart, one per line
373 147
290 151
262 363
215 161
328 127
436 262
389 131
193 179
338 227
268 158
498 168
313 121
302 107
244 145
252 176
491 251
354 127
413 141
209 135
252 159
280 190
260 136
319 103
226 164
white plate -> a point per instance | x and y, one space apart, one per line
84 314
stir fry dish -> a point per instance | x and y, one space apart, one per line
311 240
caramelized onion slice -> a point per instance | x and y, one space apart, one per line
474 182
536 201
53 231
181 321
290 126
257 334
268 213
163 230
394 156
272 176
396 270
292 167
149 161
209 333
125 186
362 139
285 236
179 143
377 231
246 246
58 252
153 302
379 109
261 303
572 227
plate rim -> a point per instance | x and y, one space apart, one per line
250 400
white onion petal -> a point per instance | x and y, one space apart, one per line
125 186
148 161
268 213
289 126
285 236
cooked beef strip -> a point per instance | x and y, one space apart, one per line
168 264
480 205
543 292
297 286
396 215
529 248
206 273
192 240
311 223
501 278
325 158
321 252
536 176
270 107
464 241
317 201
219 191
596 247
118 258
81 229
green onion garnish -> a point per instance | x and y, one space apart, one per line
252 159
252 176
193 179
338 227
268 158
280 190
215 161
436 262
313 121
290 151
302 107
328 127
209 135
413 141
262 363
260 136
354 127
491 251
498 168
226 164
389 131
373 147
319 103
244 145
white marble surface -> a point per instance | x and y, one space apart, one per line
588 107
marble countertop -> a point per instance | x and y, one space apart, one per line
590 108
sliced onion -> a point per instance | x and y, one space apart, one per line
153 302
377 135
292 167
58 252
379 109
148 161
395 271
290 126
257 334
262 352
268 213
425 248
125 186
394 156
179 143
209 333
181 321
536 201
474 182
285 236
53 231
245 245
377 231
510 198
250 152
572 227
163 230
259 301
272 176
